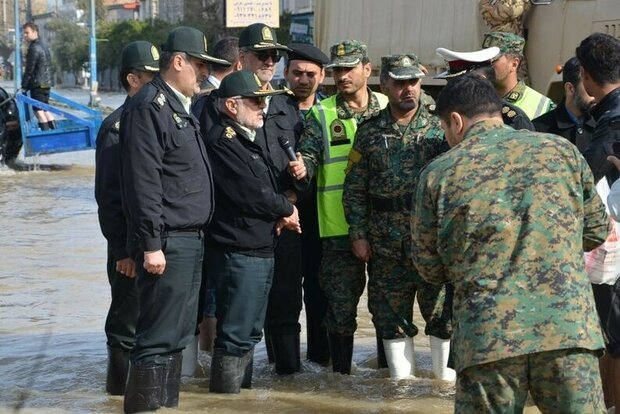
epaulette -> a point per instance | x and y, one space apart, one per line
159 100
508 111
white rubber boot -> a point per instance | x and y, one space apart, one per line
399 356
190 358
440 350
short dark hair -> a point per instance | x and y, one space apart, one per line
599 55
469 95
31 26
226 48
165 59
571 71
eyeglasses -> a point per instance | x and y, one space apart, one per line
263 55
258 100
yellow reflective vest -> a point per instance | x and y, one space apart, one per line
338 135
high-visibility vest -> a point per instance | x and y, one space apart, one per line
331 172
533 103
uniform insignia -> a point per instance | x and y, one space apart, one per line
487 42
513 96
154 53
340 50
338 132
432 108
117 125
511 114
160 100
406 61
257 80
181 123
204 38
505 109
230 133
354 158
266 32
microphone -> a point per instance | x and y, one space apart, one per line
286 146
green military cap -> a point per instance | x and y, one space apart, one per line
140 55
347 54
259 36
507 42
191 41
244 83
401 67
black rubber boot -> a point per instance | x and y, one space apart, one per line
172 380
318 342
341 348
269 347
248 363
381 360
51 124
286 352
227 373
43 126
144 388
118 366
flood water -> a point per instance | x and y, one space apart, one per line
54 296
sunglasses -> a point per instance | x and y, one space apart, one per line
263 55
258 100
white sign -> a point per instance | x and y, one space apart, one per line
242 13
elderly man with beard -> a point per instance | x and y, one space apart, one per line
250 213
388 154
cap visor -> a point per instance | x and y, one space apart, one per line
148 68
405 75
448 75
209 58
343 63
266 46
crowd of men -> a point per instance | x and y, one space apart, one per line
227 201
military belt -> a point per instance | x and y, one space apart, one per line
396 204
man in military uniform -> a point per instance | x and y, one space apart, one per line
571 118
388 153
139 63
304 73
599 56
523 308
259 51
240 242
480 61
325 144
506 80
167 193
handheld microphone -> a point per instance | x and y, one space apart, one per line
286 146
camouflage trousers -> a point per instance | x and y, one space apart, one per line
392 287
563 381
342 278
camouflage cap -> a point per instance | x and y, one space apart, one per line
507 42
401 67
140 55
347 54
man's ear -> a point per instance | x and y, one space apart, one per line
231 106
457 122
569 89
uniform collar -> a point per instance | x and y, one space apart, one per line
185 101
516 93
344 110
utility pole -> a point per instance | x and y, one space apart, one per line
94 99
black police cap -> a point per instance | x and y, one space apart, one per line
140 55
305 51
243 83
259 36
191 41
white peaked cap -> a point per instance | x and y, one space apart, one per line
477 56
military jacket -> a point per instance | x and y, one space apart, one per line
165 172
607 130
108 187
385 162
505 217
248 202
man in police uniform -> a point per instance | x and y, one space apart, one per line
506 81
524 315
250 212
325 144
139 63
571 118
388 153
259 51
480 61
167 192
304 73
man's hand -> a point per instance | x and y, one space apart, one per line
297 169
361 249
291 196
155 262
614 160
126 267
291 222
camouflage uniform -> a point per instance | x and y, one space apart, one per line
503 216
385 161
533 103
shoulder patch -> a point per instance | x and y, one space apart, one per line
230 133
354 158
159 100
